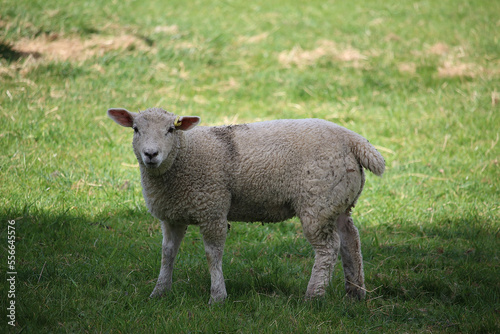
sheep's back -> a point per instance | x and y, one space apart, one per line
268 165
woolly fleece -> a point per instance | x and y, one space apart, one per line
258 172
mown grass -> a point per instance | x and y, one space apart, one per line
421 80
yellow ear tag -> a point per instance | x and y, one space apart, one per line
177 121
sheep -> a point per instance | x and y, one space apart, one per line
258 172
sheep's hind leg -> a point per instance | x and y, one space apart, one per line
325 242
214 237
352 260
172 238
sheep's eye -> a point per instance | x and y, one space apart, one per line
170 130
135 129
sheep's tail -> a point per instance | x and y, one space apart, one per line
367 155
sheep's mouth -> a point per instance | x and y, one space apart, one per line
152 164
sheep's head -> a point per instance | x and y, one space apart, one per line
156 133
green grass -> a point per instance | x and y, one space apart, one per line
421 80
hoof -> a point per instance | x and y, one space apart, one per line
157 294
217 300
356 293
315 292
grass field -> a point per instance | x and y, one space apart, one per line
420 80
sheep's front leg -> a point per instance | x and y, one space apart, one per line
172 238
214 237
352 260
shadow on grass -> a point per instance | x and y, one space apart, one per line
452 261
68 264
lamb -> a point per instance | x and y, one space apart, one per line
258 172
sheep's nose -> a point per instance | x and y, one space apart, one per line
150 153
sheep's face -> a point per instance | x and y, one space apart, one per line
156 133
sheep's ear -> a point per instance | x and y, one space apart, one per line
186 122
122 116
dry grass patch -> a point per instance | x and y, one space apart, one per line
392 37
410 68
439 49
168 30
452 65
326 49
54 47
253 39
451 69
